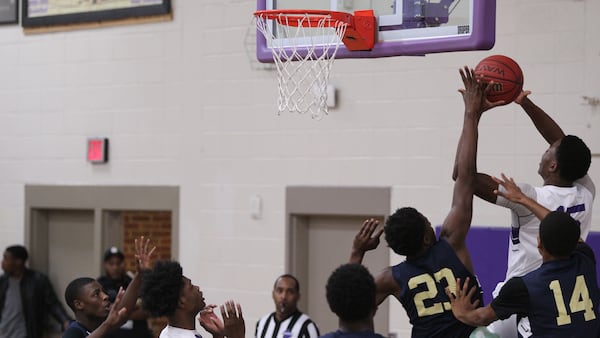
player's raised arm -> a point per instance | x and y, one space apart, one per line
484 183
143 254
547 127
457 223
513 193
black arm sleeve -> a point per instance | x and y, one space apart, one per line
512 299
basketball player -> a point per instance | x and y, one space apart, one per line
94 315
350 292
566 187
558 299
166 292
419 283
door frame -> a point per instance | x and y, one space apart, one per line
301 202
102 200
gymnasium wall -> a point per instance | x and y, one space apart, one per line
182 105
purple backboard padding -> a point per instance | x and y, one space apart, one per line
482 38
488 247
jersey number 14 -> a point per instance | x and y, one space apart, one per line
580 301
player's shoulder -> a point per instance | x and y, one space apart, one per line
584 250
586 183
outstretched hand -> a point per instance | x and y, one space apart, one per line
116 317
233 320
475 92
142 255
367 238
460 300
210 322
511 192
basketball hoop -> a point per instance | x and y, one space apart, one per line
304 44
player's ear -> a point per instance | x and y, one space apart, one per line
181 301
540 246
553 166
429 237
78 304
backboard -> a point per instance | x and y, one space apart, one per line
406 27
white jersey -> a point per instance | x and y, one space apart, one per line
523 254
175 332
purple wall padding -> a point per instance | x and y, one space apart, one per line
488 247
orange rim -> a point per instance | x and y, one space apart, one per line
306 17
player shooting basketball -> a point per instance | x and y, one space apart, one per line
566 187
432 264
558 299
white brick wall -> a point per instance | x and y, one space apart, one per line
182 106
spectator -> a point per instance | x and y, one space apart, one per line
26 298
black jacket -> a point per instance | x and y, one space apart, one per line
39 300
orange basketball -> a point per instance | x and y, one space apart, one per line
507 77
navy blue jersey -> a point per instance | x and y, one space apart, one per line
422 281
560 298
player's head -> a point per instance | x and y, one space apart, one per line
114 263
569 158
85 296
573 157
286 293
165 290
14 259
559 234
351 293
407 231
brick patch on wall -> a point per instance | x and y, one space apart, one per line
155 225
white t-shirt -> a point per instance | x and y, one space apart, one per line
175 332
523 254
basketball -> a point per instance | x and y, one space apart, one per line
507 77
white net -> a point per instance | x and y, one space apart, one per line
304 48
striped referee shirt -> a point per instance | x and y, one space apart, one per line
297 325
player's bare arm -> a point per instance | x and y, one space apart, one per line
457 223
386 285
513 193
143 254
546 126
467 311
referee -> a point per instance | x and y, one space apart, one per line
287 321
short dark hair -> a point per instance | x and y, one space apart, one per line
559 233
18 252
287 275
404 231
161 288
74 288
573 157
351 292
